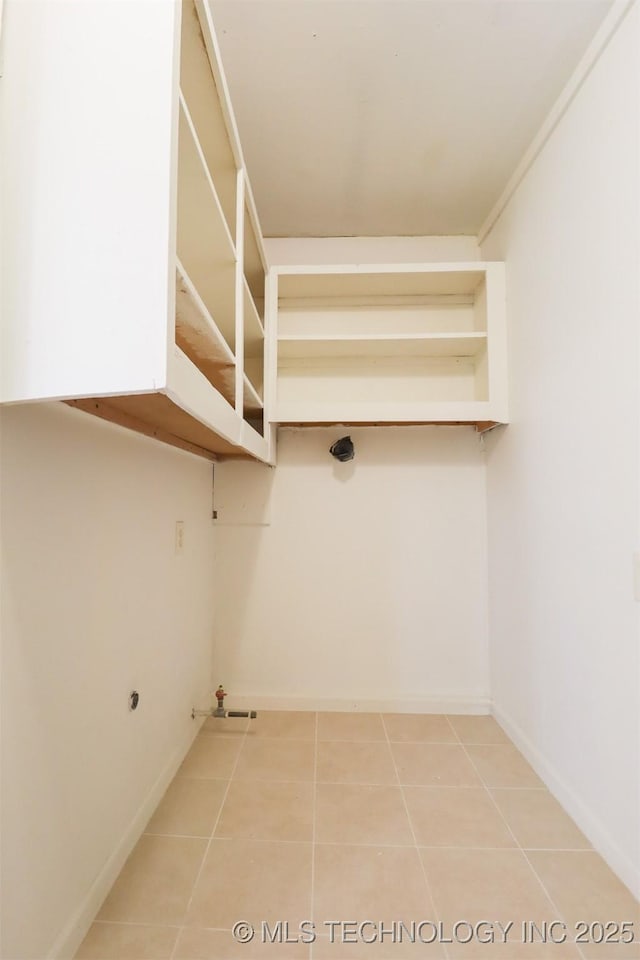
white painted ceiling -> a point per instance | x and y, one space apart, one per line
392 117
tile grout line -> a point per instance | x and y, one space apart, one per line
360 843
364 783
134 923
516 841
387 739
208 847
413 833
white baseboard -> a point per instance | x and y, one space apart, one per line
591 826
453 704
74 932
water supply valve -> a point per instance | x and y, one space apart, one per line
219 711
220 695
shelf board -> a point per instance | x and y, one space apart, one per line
292 346
381 280
390 301
481 426
199 338
381 411
336 320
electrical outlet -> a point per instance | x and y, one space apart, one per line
179 536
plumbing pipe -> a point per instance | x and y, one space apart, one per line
221 713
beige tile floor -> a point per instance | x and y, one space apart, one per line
362 818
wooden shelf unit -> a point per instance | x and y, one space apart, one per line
219 244
394 343
161 328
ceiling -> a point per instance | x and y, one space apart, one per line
392 117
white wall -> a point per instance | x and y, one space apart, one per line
366 584
95 602
563 478
289 250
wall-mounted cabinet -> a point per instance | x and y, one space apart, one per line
136 287
390 343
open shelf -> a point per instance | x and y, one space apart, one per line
382 345
199 338
204 244
410 316
216 250
394 380
204 102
